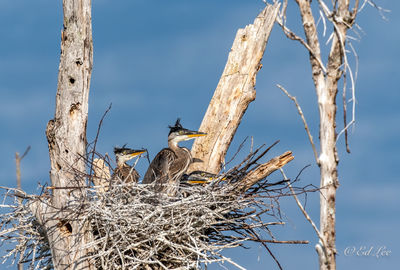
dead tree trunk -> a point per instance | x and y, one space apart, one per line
326 85
234 92
66 135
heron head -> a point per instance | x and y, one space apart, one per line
178 133
124 154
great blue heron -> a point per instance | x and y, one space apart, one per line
171 163
124 171
198 177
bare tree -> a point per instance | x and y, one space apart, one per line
66 135
341 17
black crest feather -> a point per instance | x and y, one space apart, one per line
120 150
177 126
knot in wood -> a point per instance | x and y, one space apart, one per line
74 107
50 132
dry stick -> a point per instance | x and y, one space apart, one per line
18 168
291 35
286 241
304 120
303 210
261 155
18 172
264 170
97 136
238 150
18 165
269 251
345 112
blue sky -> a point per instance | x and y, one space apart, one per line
157 60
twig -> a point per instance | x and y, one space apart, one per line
321 238
97 135
237 151
379 8
304 121
291 35
269 251
18 160
286 242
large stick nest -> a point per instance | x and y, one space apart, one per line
135 227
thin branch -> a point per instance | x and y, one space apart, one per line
26 152
286 242
270 252
320 236
352 79
324 22
300 111
345 112
291 35
97 135
18 160
381 10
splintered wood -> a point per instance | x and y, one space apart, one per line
234 92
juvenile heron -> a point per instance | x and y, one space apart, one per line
171 163
198 177
123 170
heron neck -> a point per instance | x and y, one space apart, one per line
173 144
121 162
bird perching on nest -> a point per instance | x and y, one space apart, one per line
171 163
198 178
124 171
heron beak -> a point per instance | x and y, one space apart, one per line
136 153
194 134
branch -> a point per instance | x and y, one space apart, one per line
310 30
18 159
280 19
304 120
302 209
264 170
97 135
234 92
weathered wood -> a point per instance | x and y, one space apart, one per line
326 85
101 174
264 170
234 92
66 135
